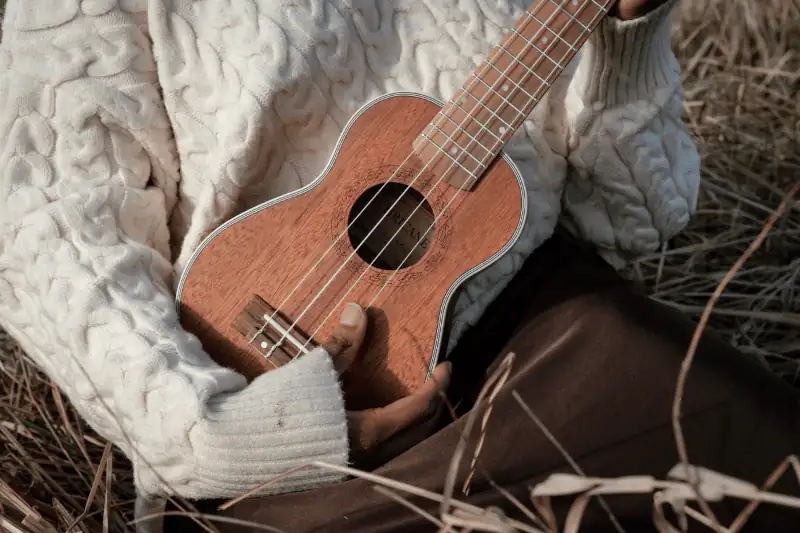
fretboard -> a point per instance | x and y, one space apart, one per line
474 126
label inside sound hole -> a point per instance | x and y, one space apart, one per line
397 223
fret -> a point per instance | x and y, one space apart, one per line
492 91
520 52
460 118
457 144
569 12
494 122
505 87
473 127
556 36
456 147
515 58
518 63
603 8
453 157
547 36
467 98
458 129
589 10
561 25
570 15
548 33
544 63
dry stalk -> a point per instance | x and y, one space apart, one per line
739 61
686 365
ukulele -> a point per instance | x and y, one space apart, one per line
417 197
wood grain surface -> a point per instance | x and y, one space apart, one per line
297 256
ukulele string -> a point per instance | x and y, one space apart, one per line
313 269
346 230
444 174
492 90
325 254
455 161
386 283
419 240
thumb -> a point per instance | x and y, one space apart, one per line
389 420
347 337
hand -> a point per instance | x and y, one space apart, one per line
631 9
373 428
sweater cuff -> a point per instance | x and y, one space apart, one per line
284 419
628 60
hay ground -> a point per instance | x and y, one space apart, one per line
740 66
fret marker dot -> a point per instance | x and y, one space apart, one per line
544 39
264 345
574 2
453 150
502 130
505 88
463 100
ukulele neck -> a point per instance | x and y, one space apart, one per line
470 131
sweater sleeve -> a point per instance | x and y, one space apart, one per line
87 179
634 171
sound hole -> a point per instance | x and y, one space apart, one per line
405 228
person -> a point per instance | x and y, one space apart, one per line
131 129
595 362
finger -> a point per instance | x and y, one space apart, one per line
631 9
385 422
439 380
347 337
360 432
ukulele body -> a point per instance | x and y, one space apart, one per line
300 254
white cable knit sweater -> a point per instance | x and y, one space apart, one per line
131 129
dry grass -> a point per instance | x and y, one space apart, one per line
741 78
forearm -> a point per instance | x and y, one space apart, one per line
87 181
626 61
90 306
634 170
92 311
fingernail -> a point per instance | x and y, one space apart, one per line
351 315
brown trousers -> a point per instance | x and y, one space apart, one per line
597 362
